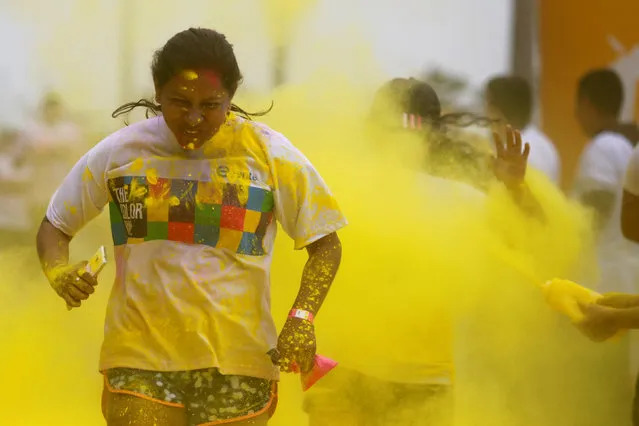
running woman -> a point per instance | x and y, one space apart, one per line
194 194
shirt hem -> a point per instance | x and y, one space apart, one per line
229 370
301 244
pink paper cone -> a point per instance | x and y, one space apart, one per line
321 367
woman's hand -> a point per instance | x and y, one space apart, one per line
72 283
296 346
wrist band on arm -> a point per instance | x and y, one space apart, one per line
302 314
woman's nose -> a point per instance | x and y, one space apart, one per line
194 116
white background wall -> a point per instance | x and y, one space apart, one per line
97 52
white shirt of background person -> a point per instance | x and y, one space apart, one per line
543 153
631 185
602 167
15 178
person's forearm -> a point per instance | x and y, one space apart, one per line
632 301
53 247
626 319
526 200
319 272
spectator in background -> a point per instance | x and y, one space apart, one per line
15 177
600 174
599 185
510 99
51 137
620 311
599 100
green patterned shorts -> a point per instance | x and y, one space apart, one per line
208 396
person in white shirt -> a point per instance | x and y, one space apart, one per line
16 174
620 311
599 180
54 142
598 185
509 99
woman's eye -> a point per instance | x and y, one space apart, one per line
181 102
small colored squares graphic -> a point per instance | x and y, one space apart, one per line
256 199
181 232
251 245
137 189
208 214
209 193
216 214
157 210
160 190
231 196
157 231
265 221
183 210
184 188
207 235
232 218
118 231
269 202
260 200
251 220
114 212
229 239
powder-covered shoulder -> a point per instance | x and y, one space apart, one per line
277 146
125 144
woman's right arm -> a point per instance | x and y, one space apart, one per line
69 281
79 199
53 247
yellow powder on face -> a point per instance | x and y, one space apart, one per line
190 75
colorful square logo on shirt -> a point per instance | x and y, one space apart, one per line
217 214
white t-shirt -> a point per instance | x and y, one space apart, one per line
631 181
543 154
602 167
193 234
631 185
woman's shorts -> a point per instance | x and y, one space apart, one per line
208 396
